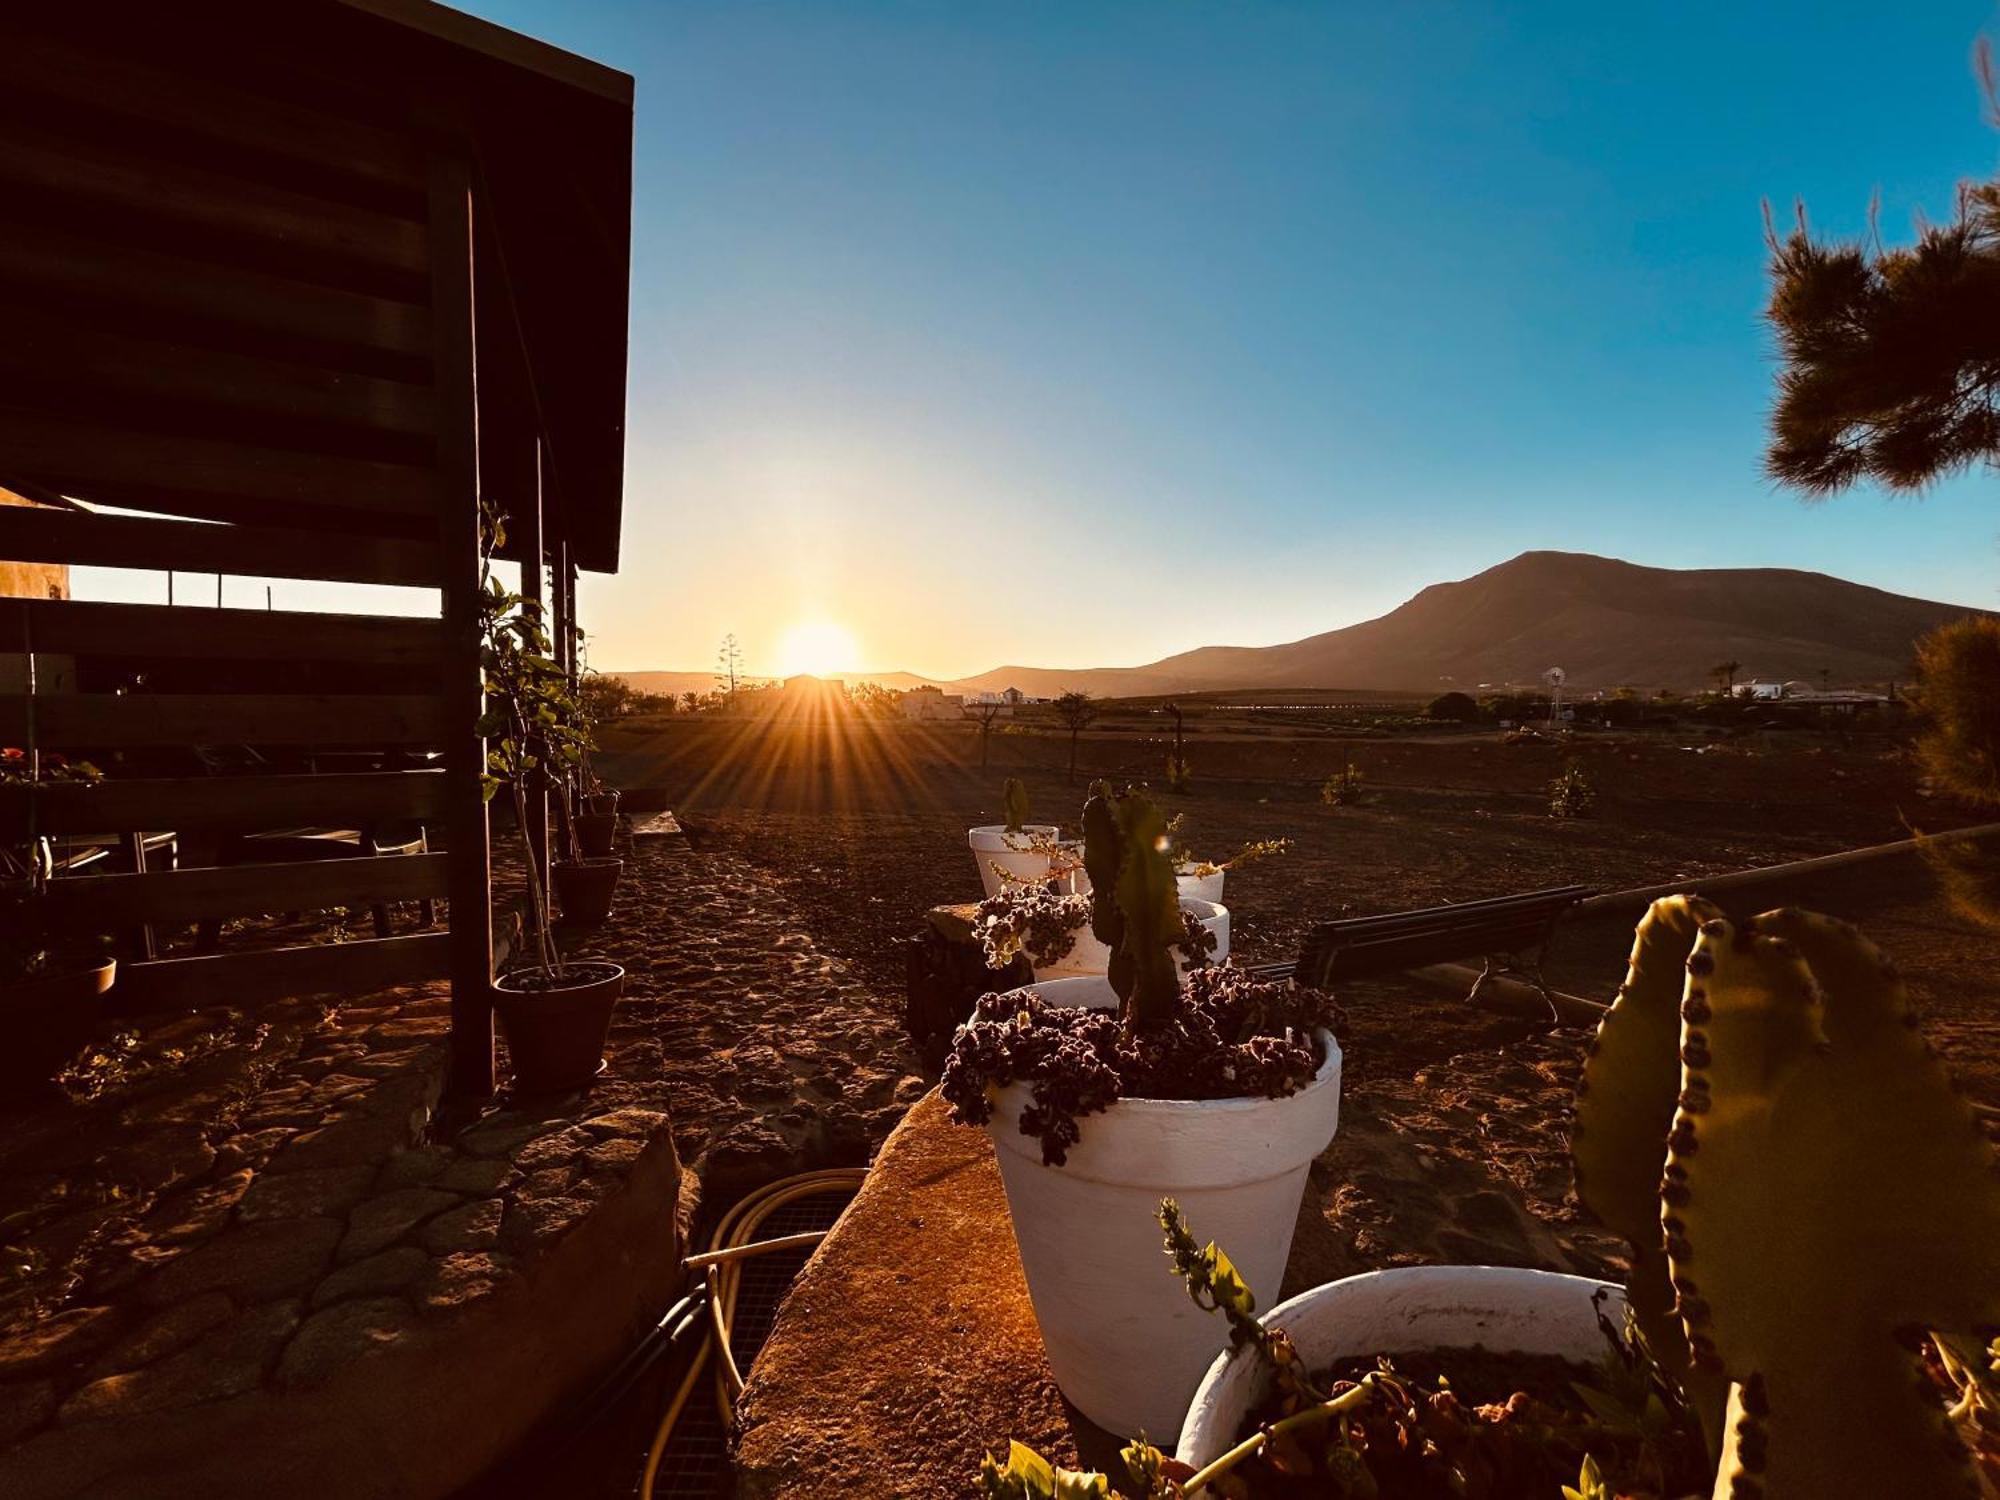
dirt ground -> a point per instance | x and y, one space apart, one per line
1452 1144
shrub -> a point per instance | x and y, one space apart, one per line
1958 666
1343 787
1571 795
1453 708
1180 775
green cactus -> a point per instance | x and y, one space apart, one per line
1624 1106
1014 803
1135 903
1827 1200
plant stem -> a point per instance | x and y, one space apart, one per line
1345 1401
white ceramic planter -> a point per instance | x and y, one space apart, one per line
1201 887
1089 956
994 845
1126 1344
1192 887
1401 1312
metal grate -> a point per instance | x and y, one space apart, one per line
696 1464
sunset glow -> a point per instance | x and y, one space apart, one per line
817 646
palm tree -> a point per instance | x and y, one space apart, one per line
1725 673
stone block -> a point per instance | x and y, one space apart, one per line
226 1362
250 1262
391 1271
475 1226
328 1191
379 1222
337 1336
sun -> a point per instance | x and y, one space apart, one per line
817 646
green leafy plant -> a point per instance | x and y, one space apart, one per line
1179 774
1343 787
1571 794
1187 862
532 722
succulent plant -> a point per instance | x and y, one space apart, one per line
1825 1200
1135 903
1014 804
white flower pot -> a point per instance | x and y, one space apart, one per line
1402 1312
1193 887
1201 887
1089 956
1126 1344
994 845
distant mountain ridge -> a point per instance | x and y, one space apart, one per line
1607 623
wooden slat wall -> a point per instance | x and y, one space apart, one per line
234 300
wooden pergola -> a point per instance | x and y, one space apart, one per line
325 273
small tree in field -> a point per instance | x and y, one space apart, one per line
1077 710
1724 674
988 712
1453 708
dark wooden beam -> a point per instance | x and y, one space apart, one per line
151 630
239 803
189 895
63 721
33 534
279 973
74 456
457 509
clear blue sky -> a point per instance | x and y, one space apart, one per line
1078 333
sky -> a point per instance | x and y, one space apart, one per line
976 333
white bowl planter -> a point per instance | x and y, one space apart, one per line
1402 1312
1126 1344
1089 956
994 845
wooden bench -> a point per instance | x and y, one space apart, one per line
1509 934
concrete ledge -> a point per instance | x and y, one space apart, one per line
420 1414
908 1342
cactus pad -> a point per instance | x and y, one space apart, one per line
1834 1201
1618 1139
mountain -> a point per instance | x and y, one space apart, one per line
1607 623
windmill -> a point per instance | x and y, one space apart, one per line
1554 678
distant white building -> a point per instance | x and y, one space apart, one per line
928 704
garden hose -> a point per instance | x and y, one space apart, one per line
721 1269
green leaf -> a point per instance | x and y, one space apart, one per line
1037 1474
1232 1292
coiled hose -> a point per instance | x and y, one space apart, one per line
720 1267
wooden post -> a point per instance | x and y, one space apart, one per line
529 535
455 364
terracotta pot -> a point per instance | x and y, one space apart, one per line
601 804
594 832
44 1022
1125 1343
584 886
555 1036
1406 1311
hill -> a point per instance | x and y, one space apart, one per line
1607 623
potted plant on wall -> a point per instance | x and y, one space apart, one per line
554 1012
52 978
1815 1284
1101 1093
1016 851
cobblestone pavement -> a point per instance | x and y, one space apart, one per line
230 1200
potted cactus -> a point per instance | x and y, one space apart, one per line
1016 851
1102 1092
1815 1233
554 1011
